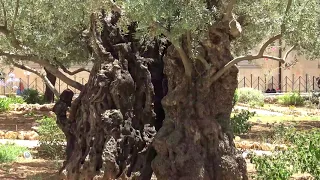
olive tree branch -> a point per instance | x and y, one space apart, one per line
236 60
41 75
228 12
4 14
44 63
15 15
68 71
184 57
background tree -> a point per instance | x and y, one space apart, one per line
111 119
48 33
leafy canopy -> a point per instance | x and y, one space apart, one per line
259 20
47 28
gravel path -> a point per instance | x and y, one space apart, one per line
259 111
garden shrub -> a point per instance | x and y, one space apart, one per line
250 96
32 96
290 99
315 97
7 101
240 122
10 152
51 139
303 155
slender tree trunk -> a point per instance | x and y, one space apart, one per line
48 94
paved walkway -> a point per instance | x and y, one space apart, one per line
25 143
260 111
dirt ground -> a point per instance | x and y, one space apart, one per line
21 121
40 169
34 169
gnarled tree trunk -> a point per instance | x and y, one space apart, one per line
114 117
196 139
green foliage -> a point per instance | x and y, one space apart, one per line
51 139
240 122
48 29
235 97
178 16
264 19
289 99
302 156
7 101
251 96
10 152
32 96
315 97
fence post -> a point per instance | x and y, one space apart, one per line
292 83
299 83
251 80
19 86
272 82
286 83
306 82
244 81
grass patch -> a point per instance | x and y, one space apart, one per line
10 152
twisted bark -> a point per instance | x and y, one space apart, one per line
114 115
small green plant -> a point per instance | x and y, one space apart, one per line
303 155
315 97
32 96
235 97
289 99
51 139
10 152
7 101
240 122
250 96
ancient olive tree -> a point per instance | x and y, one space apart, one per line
168 66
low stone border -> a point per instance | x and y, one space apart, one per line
22 135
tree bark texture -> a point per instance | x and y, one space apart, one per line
196 139
48 94
113 118
114 121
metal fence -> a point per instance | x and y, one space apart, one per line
12 85
304 83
